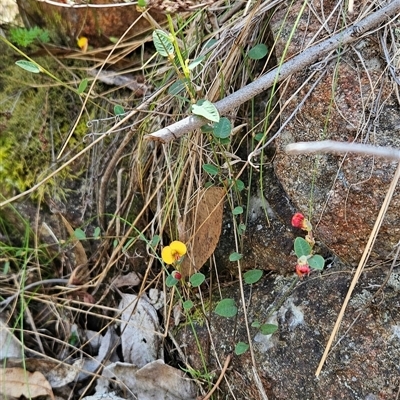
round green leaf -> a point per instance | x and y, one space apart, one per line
241 228
162 43
79 234
258 52
237 210
268 329
241 348
187 305
118 110
210 169
197 279
252 276
226 308
239 185
28 66
223 128
301 247
206 110
170 281
235 256
316 262
82 86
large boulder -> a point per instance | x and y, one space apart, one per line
350 96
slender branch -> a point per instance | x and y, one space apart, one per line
330 146
297 63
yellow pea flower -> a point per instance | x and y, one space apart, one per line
172 253
82 43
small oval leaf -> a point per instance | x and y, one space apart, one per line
171 281
241 348
210 169
301 247
268 329
226 308
197 279
82 86
235 256
316 262
252 276
118 110
206 110
223 128
79 234
28 66
258 52
187 305
237 210
196 62
162 43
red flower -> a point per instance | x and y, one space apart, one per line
301 222
302 270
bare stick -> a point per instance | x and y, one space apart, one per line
330 146
297 63
225 367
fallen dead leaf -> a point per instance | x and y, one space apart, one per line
17 382
140 327
204 225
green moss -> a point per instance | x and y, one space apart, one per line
36 116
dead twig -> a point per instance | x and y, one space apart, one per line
297 63
224 368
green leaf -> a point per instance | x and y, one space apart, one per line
235 256
162 43
223 128
226 308
155 240
97 232
118 110
210 169
206 110
28 66
82 86
241 229
259 136
141 3
258 52
301 247
79 234
241 348
187 305
197 279
316 262
256 324
196 62
268 329
171 281
239 185
115 243
237 210
252 276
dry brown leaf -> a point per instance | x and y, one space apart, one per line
17 382
205 223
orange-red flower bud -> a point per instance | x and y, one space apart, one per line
301 222
176 275
302 270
